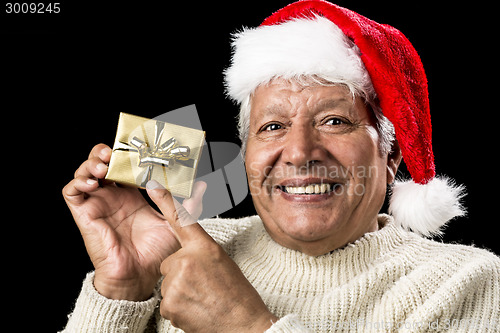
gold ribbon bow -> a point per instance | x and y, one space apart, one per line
139 155
164 154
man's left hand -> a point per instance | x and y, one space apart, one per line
203 289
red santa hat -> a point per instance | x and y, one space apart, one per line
314 37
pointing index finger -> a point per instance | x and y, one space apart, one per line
184 225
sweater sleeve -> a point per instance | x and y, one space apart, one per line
96 313
288 324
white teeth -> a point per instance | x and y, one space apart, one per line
309 189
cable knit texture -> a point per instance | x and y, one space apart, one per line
390 280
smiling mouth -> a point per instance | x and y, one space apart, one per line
310 189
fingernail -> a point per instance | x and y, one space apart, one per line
154 185
101 166
199 189
202 187
91 181
105 152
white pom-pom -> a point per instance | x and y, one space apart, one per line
425 209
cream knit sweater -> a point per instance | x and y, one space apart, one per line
390 280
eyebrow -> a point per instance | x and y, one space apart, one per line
274 109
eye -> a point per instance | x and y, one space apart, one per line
271 127
335 122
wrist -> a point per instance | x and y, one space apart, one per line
123 290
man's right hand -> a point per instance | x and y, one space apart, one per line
125 237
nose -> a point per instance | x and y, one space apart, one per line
303 146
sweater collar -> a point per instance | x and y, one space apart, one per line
263 258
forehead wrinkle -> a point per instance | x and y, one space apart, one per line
281 107
286 92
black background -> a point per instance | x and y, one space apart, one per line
65 78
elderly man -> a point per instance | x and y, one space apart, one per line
330 104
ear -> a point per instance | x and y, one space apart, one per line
393 161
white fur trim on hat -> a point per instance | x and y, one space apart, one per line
305 46
425 209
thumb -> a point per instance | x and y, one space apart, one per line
185 226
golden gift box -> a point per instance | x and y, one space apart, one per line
146 149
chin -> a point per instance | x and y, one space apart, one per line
308 227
